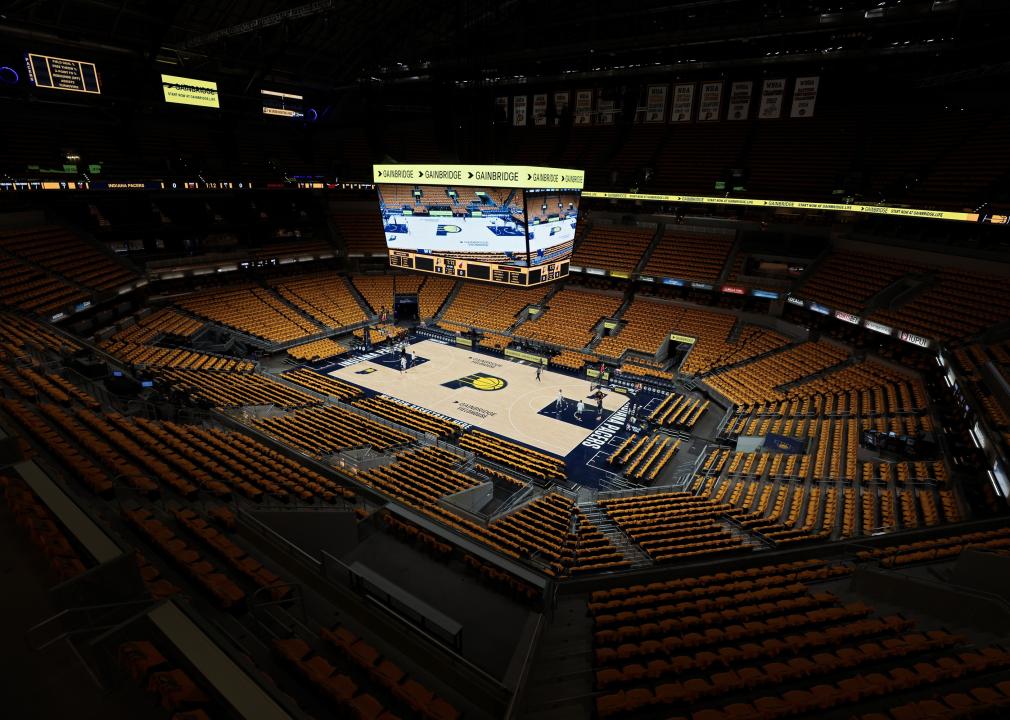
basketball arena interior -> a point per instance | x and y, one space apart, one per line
504 360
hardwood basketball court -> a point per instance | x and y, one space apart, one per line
494 393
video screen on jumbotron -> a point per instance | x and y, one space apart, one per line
509 224
551 217
462 222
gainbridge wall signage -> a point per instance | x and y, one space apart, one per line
791 204
504 176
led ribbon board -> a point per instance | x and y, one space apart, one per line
63 74
502 176
792 204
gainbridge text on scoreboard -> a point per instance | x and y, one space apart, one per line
498 223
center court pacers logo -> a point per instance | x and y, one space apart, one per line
478 381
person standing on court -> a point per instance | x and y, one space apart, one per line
403 363
579 408
540 369
413 357
559 404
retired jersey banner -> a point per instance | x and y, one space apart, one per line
501 109
804 96
560 104
711 101
771 99
739 100
655 104
540 109
583 107
683 102
519 110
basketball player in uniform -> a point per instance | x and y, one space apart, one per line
540 369
403 363
559 404
579 408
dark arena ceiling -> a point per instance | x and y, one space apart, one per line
329 44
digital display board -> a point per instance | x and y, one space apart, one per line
281 104
503 233
190 91
56 73
551 217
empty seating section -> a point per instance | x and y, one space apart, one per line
570 318
317 350
419 420
27 287
18 333
420 477
491 307
377 290
151 356
612 247
689 256
679 411
956 304
574 360
43 529
513 455
324 384
361 232
171 688
649 323
643 458
363 673
730 641
165 321
759 381
61 252
251 310
848 280
937 548
675 525
235 390
323 296
329 429
432 295
219 585
713 351
589 550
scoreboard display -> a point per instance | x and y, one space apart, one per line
56 73
503 224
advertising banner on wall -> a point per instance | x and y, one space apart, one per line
683 102
711 101
771 98
804 96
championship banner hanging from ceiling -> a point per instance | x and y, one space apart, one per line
560 104
540 109
605 107
583 107
519 111
805 96
711 101
501 109
655 104
739 100
771 98
683 102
